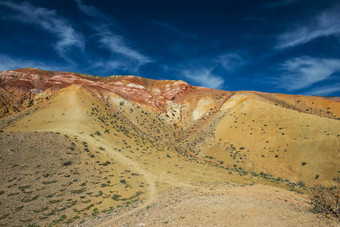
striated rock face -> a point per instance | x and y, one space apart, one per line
26 84
175 101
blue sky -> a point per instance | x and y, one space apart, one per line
288 46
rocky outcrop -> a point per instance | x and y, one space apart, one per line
174 100
29 86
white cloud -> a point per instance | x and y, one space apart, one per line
302 72
123 55
324 90
92 11
50 21
9 63
203 77
89 10
109 66
205 71
231 61
325 24
116 45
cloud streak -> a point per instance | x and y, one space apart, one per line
49 21
91 11
203 77
9 63
231 61
123 55
206 72
116 44
302 72
325 24
324 90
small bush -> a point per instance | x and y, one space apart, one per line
326 200
97 133
301 184
67 163
106 163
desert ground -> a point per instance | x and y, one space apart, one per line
89 157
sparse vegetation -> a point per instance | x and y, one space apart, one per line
121 152
326 200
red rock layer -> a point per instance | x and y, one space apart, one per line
26 83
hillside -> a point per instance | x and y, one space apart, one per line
76 146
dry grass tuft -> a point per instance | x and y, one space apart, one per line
326 200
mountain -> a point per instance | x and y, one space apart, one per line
75 145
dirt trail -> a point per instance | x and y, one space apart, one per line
73 126
257 205
183 204
150 178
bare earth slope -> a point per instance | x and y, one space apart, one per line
133 151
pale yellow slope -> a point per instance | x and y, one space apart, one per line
128 135
74 112
277 141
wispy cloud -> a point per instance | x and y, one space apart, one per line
302 72
207 71
123 55
203 77
324 90
176 30
91 11
325 24
9 63
117 45
231 61
50 21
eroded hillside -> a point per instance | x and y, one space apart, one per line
127 141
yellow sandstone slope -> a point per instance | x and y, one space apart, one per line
154 140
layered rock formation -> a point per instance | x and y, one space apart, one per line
243 130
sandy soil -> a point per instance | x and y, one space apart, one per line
255 205
181 191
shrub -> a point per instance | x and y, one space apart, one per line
67 163
97 133
116 197
106 163
326 200
301 184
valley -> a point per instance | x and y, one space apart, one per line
124 150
